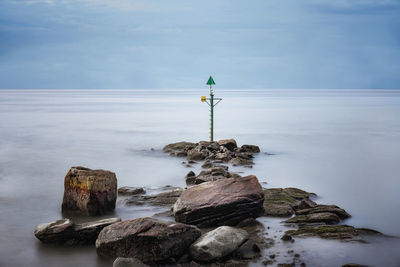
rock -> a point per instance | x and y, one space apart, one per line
325 208
211 146
305 204
89 192
147 239
250 148
162 199
224 157
338 232
248 251
222 202
325 217
286 238
127 190
230 144
178 147
128 262
218 243
66 232
212 174
190 177
280 202
206 165
241 161
354 265
196 155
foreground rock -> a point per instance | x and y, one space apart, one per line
218 243
128 262
89 192
162 199
222 202
280 202
66 232
338 232
147 239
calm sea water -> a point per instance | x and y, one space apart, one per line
343 145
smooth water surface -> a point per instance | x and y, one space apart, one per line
343 145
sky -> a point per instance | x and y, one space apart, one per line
64 44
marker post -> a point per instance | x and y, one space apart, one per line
211 82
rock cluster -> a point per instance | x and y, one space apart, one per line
218 152
221 202
89 192
214 173
68 233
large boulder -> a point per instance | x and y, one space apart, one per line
230 144
147 239
218 243
66 232
89 192
222 202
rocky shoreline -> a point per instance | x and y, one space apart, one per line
211 222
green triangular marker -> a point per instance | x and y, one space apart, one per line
210 81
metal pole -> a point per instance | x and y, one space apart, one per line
212 114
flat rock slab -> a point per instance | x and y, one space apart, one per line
147 239
218 243
337 232
162 199
279 202
222 202
322 217
341 213
67 233
89 192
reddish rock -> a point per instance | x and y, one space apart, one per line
222 202
89 192
147 239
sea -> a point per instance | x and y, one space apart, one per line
343 145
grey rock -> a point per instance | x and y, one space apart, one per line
128 190
161 199
218 243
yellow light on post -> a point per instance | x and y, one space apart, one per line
203 98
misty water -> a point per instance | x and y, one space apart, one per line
344 145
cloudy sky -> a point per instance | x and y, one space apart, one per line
178 44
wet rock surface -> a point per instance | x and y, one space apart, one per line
212 174
338 232
128 190
89 192
147 239
222 202
167 198
68 233
218 243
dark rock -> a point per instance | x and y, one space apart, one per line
241 161
230 144
325 208
325 217
218 243
128 262
206 165
181 154
178 147
127 190
297 193
224 157
147 239
286 238
248 251
89 192
67 233
212 174
162 199
338 232
196 155
250 148
222 202
305 203
190 177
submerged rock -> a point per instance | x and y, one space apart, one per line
127 190
89 192
250 148
178 147
324 217
323 209
66 232
161 199
147 239
218 243
190 177
222 202
338 232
